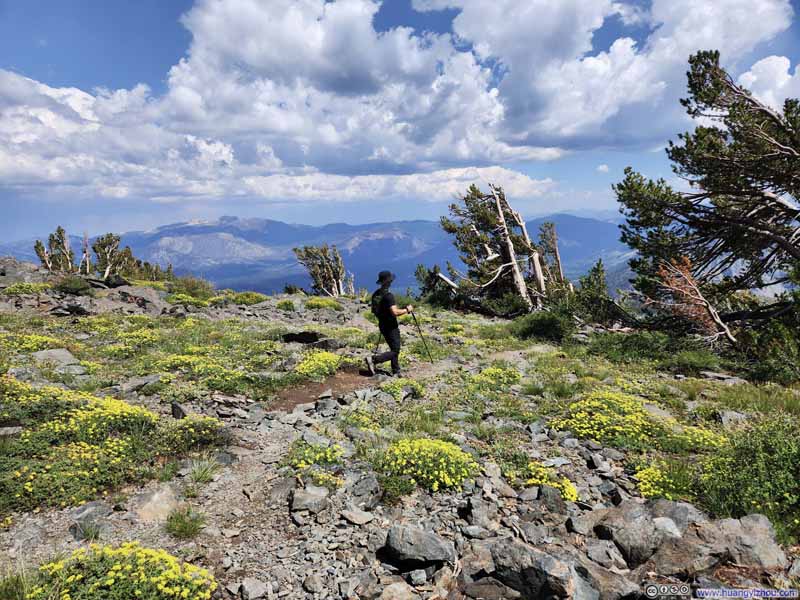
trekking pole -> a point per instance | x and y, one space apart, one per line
422 337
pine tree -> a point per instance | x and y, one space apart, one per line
739 225
325 267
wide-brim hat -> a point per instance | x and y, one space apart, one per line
385 276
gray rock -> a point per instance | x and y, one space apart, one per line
729 418
61 357
253 589
136 383
489 588
156 505
9 431
312 498
417 577
366 492
481 512
529 494
550 498
630 526
178 410
605 554
537 574
357 517
558 461
476 532
313 583
667 527
752 541
682 513
91 511
398 591
406 543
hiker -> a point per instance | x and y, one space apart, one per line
385 308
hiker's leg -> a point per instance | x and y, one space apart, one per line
383 356
393 339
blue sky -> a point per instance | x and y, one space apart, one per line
126 115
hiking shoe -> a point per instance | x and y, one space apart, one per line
370 366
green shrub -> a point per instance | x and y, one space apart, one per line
186 300
17 586
318 364
553 326
194 287
507 305
394 487
772 352
129 571
22 289
433 464
691 362
247 298
318 302
757 470
285 305
396 385
631 347
184 523
74 285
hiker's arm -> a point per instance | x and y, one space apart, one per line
399 312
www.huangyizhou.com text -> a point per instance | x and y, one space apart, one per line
710 593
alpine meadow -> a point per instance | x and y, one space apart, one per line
399 299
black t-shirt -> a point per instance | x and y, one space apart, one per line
386 320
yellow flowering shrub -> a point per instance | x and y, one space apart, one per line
610 417
303 455
360 419
620 419
317 302
493 378
653 483
126 572
433 464
396 385
186 300
536 474
318 364
76 447
23 288
26 343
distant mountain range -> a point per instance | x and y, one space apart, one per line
257 254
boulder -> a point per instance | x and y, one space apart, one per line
489 588
253 589
630 526
398 591
410 544
134 384
60 357
751 541
536 574
312 498
156 505
605 554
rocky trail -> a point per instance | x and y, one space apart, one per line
271 533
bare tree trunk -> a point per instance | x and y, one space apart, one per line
85 260
557 256
533 259
519 280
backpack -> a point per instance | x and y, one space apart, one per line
375 303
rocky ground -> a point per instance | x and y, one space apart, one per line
271 532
